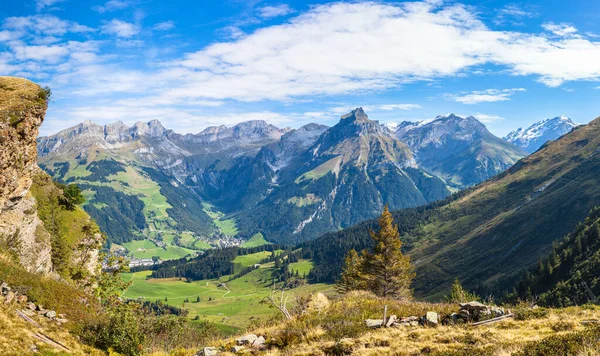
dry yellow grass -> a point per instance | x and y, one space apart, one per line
17 94
17 336
499 339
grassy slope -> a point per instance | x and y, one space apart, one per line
509 222
255 241
134 182
227 226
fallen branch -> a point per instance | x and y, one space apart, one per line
493 320
28 319
48 340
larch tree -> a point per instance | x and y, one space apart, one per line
388 272
352 277
385 271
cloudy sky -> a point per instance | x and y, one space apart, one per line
193 64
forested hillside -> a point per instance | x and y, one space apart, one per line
569 275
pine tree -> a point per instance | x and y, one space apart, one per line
389 273
459 295
352 277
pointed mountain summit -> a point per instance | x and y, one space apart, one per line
460 150
347 175
536 135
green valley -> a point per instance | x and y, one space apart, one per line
231 303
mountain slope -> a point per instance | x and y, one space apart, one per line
142 180
348 174
536 135
487 235
569 274
460 150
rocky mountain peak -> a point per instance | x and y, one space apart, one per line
534 136
357 115
151 128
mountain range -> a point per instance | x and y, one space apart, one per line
290 185
488 235
535 136
460 150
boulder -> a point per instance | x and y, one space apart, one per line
10 296
430 319
409 319
246 339
391 321
235 349
50 314
473 306
259 342
21 299
209 351
374 323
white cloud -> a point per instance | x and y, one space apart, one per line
340 110
268 12
43 24
120 28
51 54
41 4
484 96
487 119
112 5
333 49
514 14
164 26
561 29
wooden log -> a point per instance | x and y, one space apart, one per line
493 320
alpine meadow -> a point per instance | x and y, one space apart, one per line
258 177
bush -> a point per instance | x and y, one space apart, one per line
132 329
524 312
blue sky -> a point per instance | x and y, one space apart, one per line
193 64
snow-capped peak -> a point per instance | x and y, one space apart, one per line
533 137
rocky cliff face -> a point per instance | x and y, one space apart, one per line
22 109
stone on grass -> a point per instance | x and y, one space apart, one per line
236 349
373 323
430 319
209 351
259 342
246 339
10 296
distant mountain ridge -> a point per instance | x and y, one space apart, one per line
288 184
460 150
535 136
